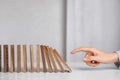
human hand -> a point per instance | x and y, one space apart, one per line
94 57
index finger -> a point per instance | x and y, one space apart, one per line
82 50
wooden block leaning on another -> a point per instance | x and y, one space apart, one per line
51 59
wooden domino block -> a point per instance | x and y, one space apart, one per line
18 58
31 59
24 59
46 51
0 59
43 59
52 60
12 68
38 58
6 67
57 60
62 60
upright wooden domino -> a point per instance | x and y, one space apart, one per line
6 67
24 59
18 58
38 58
12 66
31 59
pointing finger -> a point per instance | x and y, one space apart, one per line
82 50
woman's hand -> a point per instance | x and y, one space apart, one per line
94 57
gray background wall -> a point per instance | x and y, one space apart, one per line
44 22
92 23
33 22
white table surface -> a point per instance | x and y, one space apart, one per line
80 72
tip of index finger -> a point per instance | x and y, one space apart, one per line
82 49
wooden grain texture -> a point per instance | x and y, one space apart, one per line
12 68
38 58
24 59
31 59
6 67
57 60
46 51
7 58
0 59
18 58
62 60
5 64
52 60
43 59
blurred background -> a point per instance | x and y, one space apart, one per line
61 24
34 22
64 25
92 23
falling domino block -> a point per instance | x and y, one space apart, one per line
62 60
57 60
43 59
48 59
51 59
